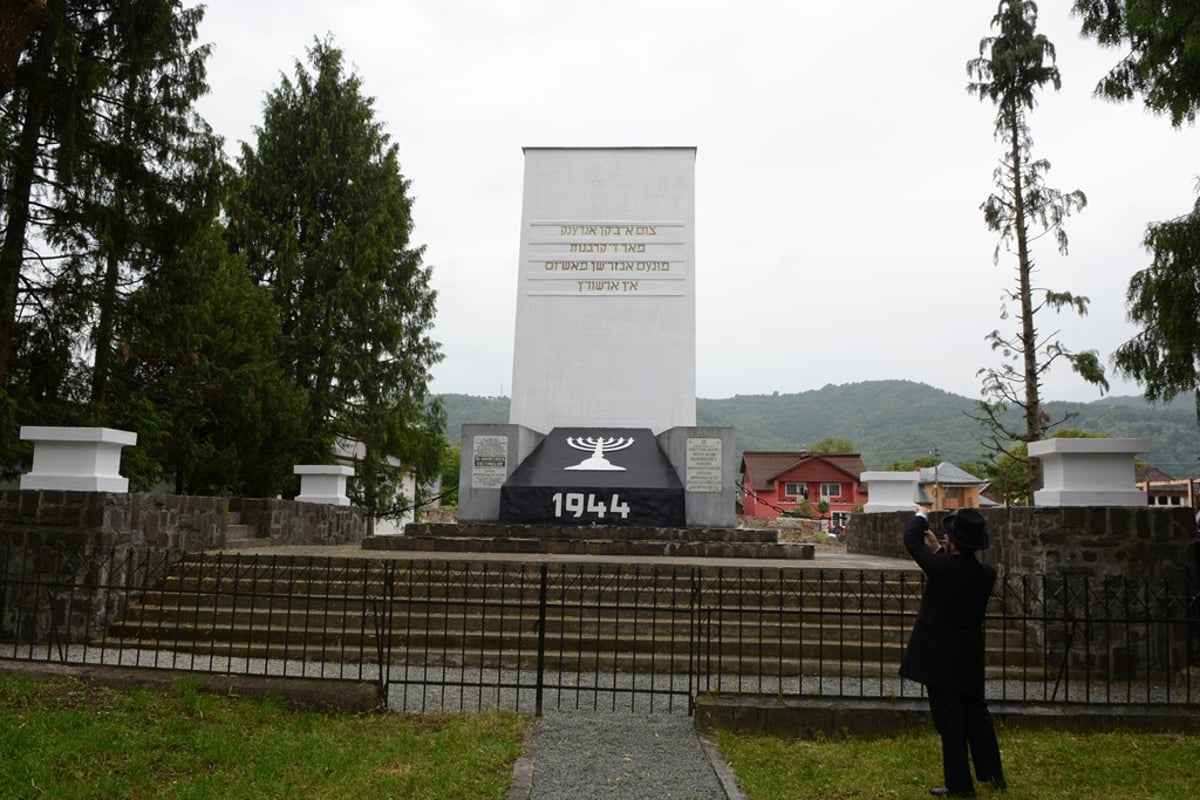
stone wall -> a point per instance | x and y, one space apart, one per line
1126 542
175 522
1084 580
71 561
292 523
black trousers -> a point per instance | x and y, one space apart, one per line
963 721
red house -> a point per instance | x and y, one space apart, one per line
774 482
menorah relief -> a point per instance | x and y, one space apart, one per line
598 446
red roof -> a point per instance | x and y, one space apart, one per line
763 467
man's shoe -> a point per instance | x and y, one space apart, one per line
942 791
998 784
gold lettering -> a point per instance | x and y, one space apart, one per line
599 286
577 230
608 230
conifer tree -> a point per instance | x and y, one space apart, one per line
323 216
1162 66
106 170
200 382
1012 67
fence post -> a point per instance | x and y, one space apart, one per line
541 645
383 629
693 641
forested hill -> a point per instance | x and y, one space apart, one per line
897 420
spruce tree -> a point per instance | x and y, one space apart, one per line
200 382
1012 67
1162 66
323 216
107 170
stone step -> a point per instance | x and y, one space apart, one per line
420 591
588 540
829 662
451 629
591 547
499 530
479 615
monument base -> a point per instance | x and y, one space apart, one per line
703 459
1084 497
595 476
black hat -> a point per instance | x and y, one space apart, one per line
967 528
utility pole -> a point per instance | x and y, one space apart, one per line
937 492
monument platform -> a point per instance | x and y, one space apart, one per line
596 540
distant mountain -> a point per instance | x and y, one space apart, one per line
892 421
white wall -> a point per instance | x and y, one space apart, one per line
606 313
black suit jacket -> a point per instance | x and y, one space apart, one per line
946 647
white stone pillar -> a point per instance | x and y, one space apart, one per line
891 491
323 483
76 459
606 290
1088 472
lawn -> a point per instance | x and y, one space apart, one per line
68 739
1037 764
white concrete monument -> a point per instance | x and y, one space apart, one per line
605 343
76 459
891 491
323 483
1088 472
606 305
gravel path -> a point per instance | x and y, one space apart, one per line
620 756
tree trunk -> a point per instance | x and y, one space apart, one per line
18 18
1033 411
115 245
16 201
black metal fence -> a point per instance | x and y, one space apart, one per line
438 635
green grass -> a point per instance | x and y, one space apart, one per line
1041 764
67 739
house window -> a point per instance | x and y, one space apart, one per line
952 492
794 490
829 490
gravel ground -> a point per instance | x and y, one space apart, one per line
620 756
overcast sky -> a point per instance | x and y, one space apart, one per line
839 173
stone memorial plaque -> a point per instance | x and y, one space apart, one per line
489 461
704 465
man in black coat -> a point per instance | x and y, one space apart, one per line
945 651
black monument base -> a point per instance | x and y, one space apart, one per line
595 476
